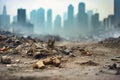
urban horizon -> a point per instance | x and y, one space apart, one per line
55 5
72 23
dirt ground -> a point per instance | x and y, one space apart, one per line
70 69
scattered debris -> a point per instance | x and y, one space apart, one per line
114 59
115 67
38 65
111 42
67 51
89 63
52 61
5 60
86 52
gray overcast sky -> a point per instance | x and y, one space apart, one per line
104 7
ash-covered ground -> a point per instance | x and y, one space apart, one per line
35 59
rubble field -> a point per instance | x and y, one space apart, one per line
33 59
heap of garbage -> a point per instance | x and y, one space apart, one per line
111 42
47 52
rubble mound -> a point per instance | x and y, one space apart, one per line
111 42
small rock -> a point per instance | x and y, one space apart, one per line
113 67
47 61
5 60
18 60
56 61
67 51
114 59
38 65
8 65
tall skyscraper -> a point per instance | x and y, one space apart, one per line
57 22
49 18
90 13
82 18
21 16
40 28
33 17
4 19
4 10
81 8
22 26
69 17
95 22
57 25
41 17
70 13
117 12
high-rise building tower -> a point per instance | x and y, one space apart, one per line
41 17
81 8
70 13
82 18
4 10
95 22
4 19
116 12
49 18
69 22
57 22
21 16
90 13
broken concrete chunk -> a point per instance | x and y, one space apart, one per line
56 61
67 51
52 61
5 60
38 65
47 61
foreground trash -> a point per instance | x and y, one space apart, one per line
115 67
48 61
89 63
38 65
5 60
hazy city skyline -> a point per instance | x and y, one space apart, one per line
58 6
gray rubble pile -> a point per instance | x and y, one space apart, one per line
111 42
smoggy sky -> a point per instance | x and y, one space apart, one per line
104 7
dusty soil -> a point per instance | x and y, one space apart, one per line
70 69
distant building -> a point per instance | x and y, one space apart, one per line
90 13
14 19
41 17
95 22
22 26
82 18
4 20
70 14
105 24
116 12
49 18
70 17
33 17
57 22
21 16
